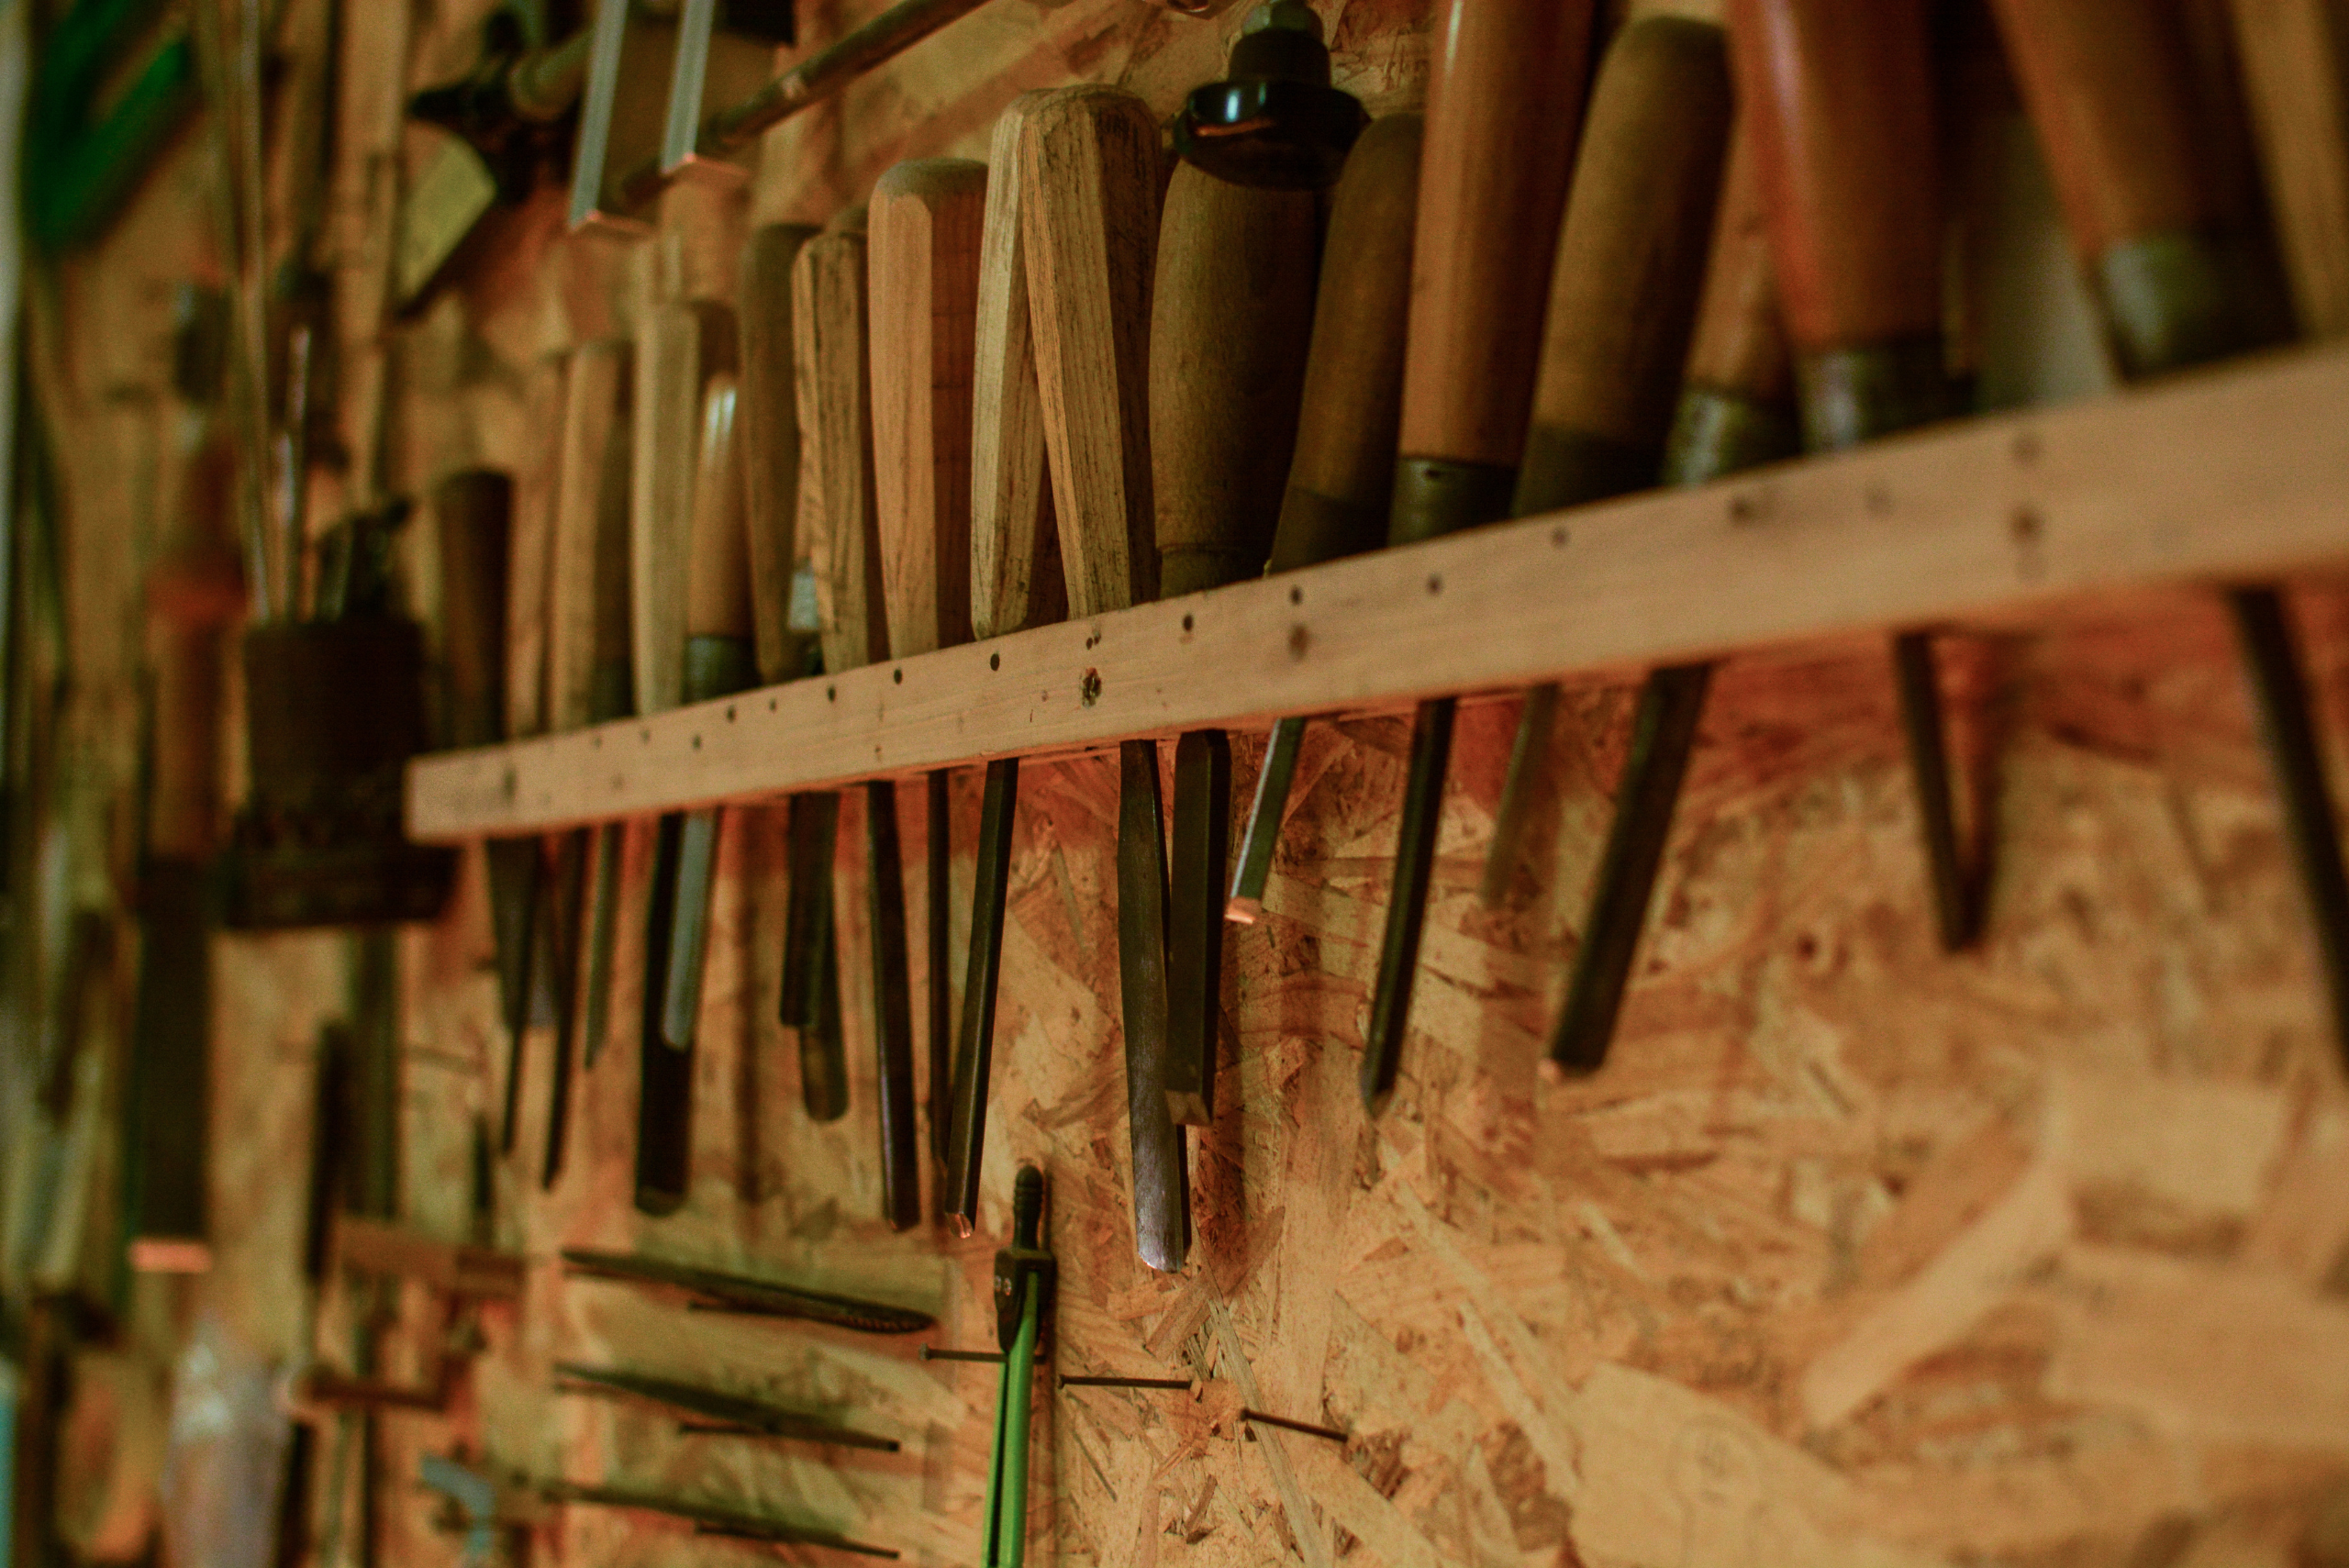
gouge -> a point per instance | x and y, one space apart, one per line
710 1290
2109 89
774 486
1231 313
682 347
1840 109
924 222
832 341
1016 582
1088 165
1735 410
1503 110
1341 474
718 1412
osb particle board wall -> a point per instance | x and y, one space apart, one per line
1853 1254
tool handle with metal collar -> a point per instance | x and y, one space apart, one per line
1503 109
679 346
1016 575
1736 407
769 423
1839 103
2110 85
1232 312
923 225
1089 233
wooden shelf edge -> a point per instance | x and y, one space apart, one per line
2234 475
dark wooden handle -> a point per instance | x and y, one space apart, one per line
1343 473
1089 230
1740 343
828 300
1503 110
1630 264
923 225
768 426
717 564
193 591
472 512
1231 316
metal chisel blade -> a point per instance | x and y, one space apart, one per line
1406 905
733 1292
1957 910
1263 834
689 939
570 892
665 1072
1162 1188
601 937
752 1416
974 1046
513 895
938 848
892 1010
1526 754
811 956
1195 940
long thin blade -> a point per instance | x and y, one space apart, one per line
592 145
891 1009
602 938
1406 901
665 1073
1162 1186
1957 910
1263 835
732 1293
1526 753
753 1415
513 867
1195 940
811 957
938 845
975 1050
689 939
571 909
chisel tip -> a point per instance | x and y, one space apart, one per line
1243 911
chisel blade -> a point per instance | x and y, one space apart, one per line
1526 754
512 866
1406 901
1956 903
666 1082
570 890
689 938
812 955
892 1022
1263 835
974 1048
1161 1193
601 937
937 847
1195 943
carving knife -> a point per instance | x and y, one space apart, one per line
1231 313
1016 582
726 1412
2111 90
1841 115
835 421
1089 231
1503 109
924 223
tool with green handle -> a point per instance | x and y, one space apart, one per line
1025 1275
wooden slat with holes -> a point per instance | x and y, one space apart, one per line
2237 474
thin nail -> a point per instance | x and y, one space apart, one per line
1125 1382
1288 1426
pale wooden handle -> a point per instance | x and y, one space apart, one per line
1740 345
529 578
1632 254
768 423
2295 75
923 225
1089 227
718 570
472 511
1016 576
837 515
1231 315
588 614
1841 103
1502 112
679 346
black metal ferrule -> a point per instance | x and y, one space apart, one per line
1026 1258
1436 495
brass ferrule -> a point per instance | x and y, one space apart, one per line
1716 431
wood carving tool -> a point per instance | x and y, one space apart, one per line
684 349
1231 314
710 1519
710 1290
191 593
1016 581
924 223
1089 229
2111 90
1275 122
2295 57
835 422
1342 475
1735 410
1503 108
1026 1275
1842 115
1622 301
717 1412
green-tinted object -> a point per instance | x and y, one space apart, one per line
79 170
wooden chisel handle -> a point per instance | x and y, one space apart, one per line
828 298
1016 575
718 561
1089 230
472 510
680 346
1736 405
1341 473
769 425
191 593
1231 314
922 228
2110 85
1839 102
1503 108
588 641
528 580
1630 264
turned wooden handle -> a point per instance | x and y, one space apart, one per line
1740 343
529 579
922 228
1503 108
680 346
472 513
1230 319
1016 576
1630 264
1341 474
1089 227
768 426
1840 101
717 567
2296 77
587 613
193 590
837 512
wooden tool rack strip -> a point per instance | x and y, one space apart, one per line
2235 474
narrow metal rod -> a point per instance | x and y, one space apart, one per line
1263 835
1066 1382
1955 908
892 1022
939 850
1307 1427
1526 754
974 1048
1406 901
